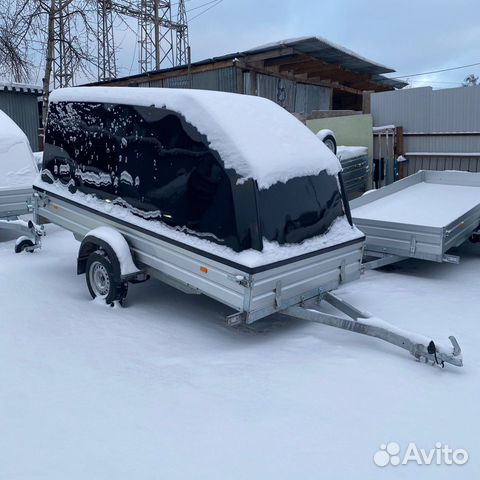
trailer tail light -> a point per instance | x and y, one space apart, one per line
204 269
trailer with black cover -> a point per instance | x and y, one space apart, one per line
213 193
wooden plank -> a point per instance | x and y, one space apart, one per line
302 78
286 60
160 75
310 65
366 102
254 82
240 84
280 52
399 143
319 114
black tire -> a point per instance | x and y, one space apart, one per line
101 281
330 143
24 245
475 238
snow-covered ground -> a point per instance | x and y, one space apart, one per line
162 389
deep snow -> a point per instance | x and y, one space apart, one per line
162 389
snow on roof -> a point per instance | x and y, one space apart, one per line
10 132
347 153
17 166
254 136
321 41
20 88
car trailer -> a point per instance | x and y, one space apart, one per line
13 204
296 288
208 203
422 216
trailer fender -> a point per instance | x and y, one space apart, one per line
115 246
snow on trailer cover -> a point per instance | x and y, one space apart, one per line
17 174
221 194
17 168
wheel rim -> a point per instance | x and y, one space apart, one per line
99 280
329 144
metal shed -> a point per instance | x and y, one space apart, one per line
20 103
301 74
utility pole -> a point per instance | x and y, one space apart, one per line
156 34
107 66
183 46
62 55
156 31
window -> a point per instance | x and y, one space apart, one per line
299 209
146 159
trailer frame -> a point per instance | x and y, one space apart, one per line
294 288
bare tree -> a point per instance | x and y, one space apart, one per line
60 33
13 37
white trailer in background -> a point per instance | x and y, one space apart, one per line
17 174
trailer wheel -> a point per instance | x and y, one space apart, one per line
101 282
330 143
24 245
475 238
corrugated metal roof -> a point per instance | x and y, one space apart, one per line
21 88
327 51
389 82
315 47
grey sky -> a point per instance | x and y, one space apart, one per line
410 36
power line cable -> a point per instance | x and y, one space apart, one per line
436 71
218 2
202 5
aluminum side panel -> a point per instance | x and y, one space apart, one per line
14 202
459 231
325 271
401 239
152 253
429 243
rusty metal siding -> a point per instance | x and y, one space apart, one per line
23 109
222 80
293 96
312 97
278 90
